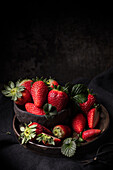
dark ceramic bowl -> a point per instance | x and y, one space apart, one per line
56 151
23 116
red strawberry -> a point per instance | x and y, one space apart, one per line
26 83
39 128
93 117
46 130
58 98
85 107
62 131
26 97
18 93
78 123
52 83
90 134
31 108
39 92
48 140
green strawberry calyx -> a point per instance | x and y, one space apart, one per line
13 91
27 133
58 132
47 139
50 110
39 79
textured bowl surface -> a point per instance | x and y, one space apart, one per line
51 150
62 117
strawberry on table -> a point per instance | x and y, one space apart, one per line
90 134
18 93
78 123
58 98
39 92
31 108
48 140
86 106
93 117
62 131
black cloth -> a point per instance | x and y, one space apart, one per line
15 156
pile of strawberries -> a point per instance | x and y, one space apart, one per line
38 94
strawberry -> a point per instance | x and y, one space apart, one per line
30 131
85 107
48 140
78 123
58 98
26 83
90 134
46 130
31 108
52 83
39 128
93 117
39 93
61 131
18 93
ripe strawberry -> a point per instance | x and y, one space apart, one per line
52 83
93 117
46 130
78 123
26 97
61 131
39 92
31 108
18 93
58 98
39 128
30 131
90 134
26 83
85 107
48 140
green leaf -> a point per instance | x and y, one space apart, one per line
49 107
78 89
46 106
11 84
80 98
7 87
5 92
69 147
50 110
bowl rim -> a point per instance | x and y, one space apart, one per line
25 112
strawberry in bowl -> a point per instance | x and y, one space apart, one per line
39 101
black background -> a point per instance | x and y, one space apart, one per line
62 41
